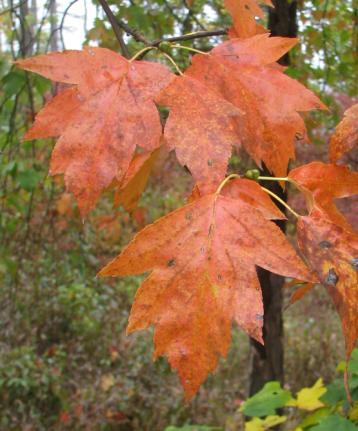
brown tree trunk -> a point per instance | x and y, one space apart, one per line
267 360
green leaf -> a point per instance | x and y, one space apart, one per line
336 392
13 82
266 401
315 417
353 363
335 423
29 179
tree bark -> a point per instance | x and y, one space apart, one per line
267 361
26 30
53 26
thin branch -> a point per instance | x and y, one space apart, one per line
62 23
12 8
116 27
136 34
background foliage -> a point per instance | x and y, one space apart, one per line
65 361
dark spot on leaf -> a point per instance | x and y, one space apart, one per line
355 263
220 277
189 215
332 277
325 244
247 7
211 228
65 75
210 162
202 249
171 262
259 317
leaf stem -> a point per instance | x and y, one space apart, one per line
167 56
275 179
142 51
188 48
282 202
191 36
225 181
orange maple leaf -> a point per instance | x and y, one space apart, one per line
203 259
101 120
241 72
201 128
332 254
135 180
322 183
345 136
243 14
302 287
328 241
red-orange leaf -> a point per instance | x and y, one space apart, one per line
243 14
101 120
333 254
345 136
201 128
203 259
260 49
302 287
135 180
321 184
240 71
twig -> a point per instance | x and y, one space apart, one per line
136 34
116 27
62 23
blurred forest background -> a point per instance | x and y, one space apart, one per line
65 362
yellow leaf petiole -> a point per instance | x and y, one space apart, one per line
225 181
167 56
275 179
188 48
142 51
282 202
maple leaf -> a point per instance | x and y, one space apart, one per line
201 128
243 13
203 257
135 180
332 253
322 183
241 72
303 287
328 241
345 136
101 120
309 398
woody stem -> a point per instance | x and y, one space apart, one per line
116 28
